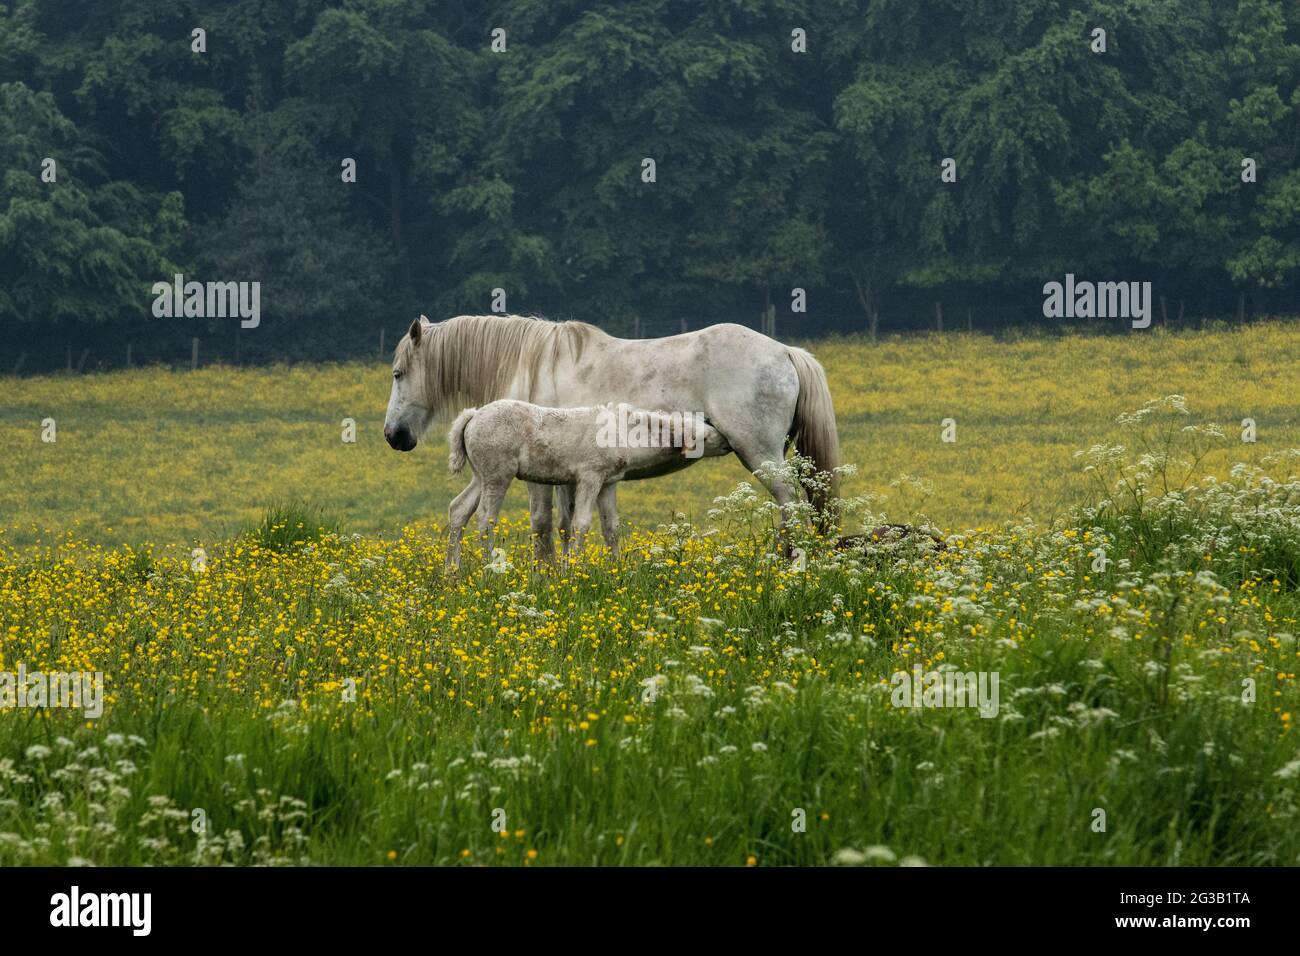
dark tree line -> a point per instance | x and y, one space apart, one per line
795 145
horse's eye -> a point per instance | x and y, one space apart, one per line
397 374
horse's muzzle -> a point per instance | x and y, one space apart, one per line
399 437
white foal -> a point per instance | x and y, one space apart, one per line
591 449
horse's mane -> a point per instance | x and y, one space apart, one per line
472 359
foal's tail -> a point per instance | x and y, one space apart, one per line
814 434
456 440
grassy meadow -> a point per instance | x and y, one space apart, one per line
184 458
314 687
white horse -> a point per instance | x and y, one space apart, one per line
762 396
509 439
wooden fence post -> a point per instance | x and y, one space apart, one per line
938 315
381 343
128 354
81 362
18 366
194 353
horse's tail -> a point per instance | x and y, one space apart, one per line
456 440
814 434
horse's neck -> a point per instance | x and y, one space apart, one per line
555 378
524 385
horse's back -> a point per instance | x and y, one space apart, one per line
744 382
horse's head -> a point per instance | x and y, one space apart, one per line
409 408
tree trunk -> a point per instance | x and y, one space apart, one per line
395 223
868 298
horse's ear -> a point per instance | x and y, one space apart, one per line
416 329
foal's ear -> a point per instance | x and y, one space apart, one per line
415 330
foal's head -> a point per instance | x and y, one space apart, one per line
409 409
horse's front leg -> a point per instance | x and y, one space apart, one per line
584 503
607 504
565 495
539 515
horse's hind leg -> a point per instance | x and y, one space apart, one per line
459 512
606 502
539 515
753 455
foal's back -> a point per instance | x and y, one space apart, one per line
515 439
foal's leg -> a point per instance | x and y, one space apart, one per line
460 511
609 517
539 514
494 495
